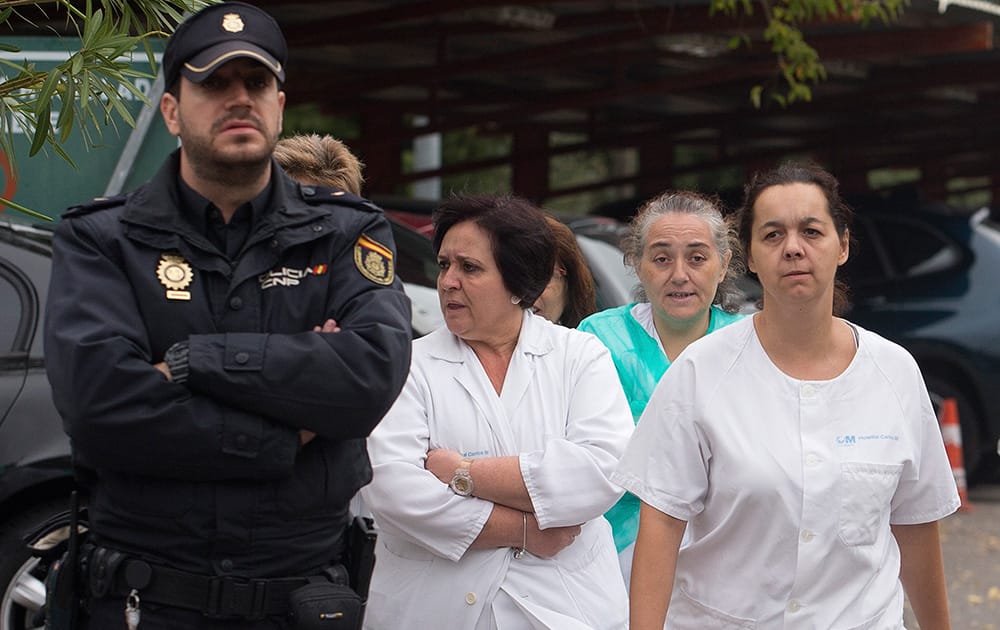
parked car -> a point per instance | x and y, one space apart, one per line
926 278
35 475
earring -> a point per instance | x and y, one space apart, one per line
515 300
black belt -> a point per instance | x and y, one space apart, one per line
213 596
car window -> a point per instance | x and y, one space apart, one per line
415 259
10 314
613 280
915 249
866 263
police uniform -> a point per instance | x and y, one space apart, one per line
208 476
205 504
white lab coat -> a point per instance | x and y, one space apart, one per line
562 410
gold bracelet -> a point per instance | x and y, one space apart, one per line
519 552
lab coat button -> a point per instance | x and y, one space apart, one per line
470 598
806 535
812 459
794 606
807 391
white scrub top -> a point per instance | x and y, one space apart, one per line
789 486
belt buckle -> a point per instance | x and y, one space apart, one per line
236 597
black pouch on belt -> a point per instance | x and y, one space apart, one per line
327 602
59 544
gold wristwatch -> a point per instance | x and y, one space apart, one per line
461 483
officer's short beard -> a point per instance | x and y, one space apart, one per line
209 165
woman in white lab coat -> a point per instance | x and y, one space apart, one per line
491 471
799 450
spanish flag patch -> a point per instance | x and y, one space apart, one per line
374 260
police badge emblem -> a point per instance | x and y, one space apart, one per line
232 23
374 261
176 275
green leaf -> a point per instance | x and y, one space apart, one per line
43 125
92 28
67 116
85 90
27 211
65 156
49 87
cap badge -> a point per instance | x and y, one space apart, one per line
232 22
176 275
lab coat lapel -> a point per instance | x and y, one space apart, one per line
468 373
498 410
472 377
521 372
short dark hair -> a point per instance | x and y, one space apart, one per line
581 297
794 172
522 243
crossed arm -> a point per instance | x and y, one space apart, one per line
512 522
305 436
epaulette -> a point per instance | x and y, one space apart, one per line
95 204
324 194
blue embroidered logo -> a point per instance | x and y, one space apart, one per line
851 440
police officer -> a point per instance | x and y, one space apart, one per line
193 355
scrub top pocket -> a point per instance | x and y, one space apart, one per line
866 493
688 612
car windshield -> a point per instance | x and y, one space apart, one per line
615 281
416 262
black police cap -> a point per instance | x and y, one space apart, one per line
220 33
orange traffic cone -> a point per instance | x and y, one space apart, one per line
951 431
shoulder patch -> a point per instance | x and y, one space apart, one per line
95 204
374 260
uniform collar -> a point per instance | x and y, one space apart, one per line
535 338
198 210
155 204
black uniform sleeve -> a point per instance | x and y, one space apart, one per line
338 385
121 413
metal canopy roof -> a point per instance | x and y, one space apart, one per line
920 93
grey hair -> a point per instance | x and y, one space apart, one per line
708 209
